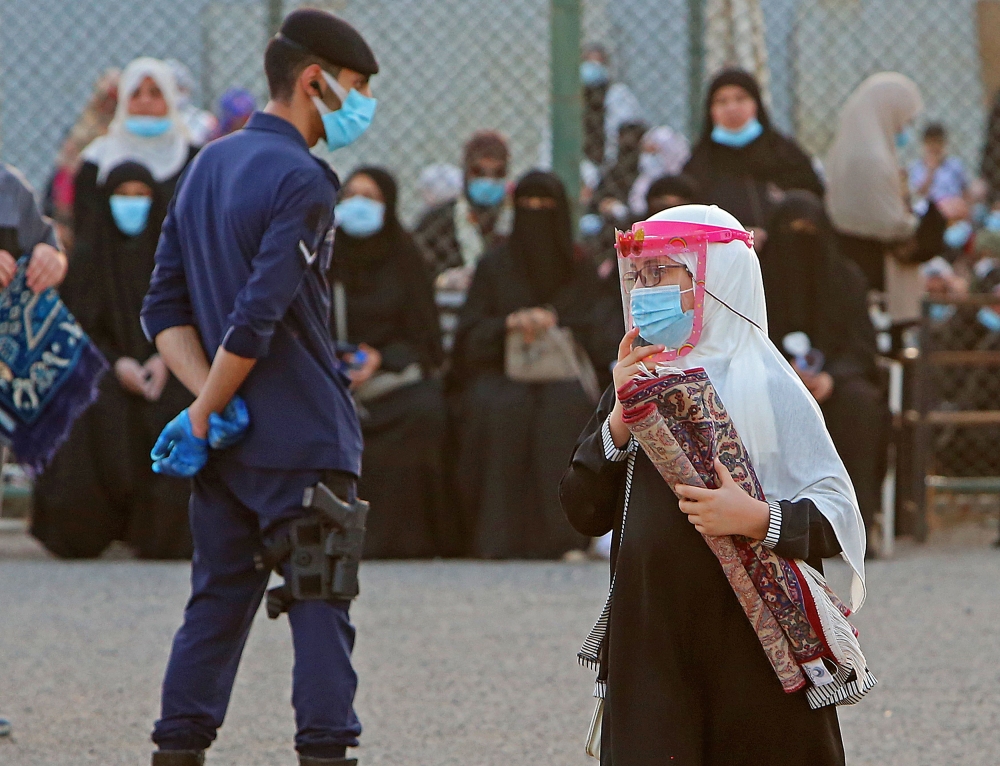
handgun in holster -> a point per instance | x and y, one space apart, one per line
322 550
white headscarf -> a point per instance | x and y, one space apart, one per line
164 155
672 152
776 416
863 186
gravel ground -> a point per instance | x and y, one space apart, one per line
461 662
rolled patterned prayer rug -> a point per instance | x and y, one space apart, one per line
49 371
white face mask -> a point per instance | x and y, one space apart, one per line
650 165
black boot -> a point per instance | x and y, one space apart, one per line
179 758
305 760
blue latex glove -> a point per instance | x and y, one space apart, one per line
178 452
231 426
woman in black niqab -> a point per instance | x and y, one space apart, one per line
516 437
389 307
812 288
100 486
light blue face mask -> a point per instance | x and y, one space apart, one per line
345 125
591 225
957 235
903 139
738 138
147 127
992 222
486 192
593 73
941 312
658 314
360 216
989 319
130 213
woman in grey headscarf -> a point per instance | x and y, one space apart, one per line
867 196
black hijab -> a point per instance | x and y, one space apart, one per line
146 240
805 279
541 243
354 256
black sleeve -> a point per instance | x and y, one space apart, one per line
855 352
805 532
797 170
482 327
591 487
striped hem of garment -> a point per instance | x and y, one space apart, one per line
611 452
773 525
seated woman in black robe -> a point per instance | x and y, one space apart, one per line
100 487
687 680
811 288
516 436
384 303
741 161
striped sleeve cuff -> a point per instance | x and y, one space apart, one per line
611 452
773 525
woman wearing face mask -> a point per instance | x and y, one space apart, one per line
515 435
741 163
813 289
664 153
146 128
868 197
100 487
384 304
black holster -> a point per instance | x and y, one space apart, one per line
322 551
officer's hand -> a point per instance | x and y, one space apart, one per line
178 452
371 365
230 427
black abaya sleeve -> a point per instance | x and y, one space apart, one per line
795 168
805 532
591 488
482 327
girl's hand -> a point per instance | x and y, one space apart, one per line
626 369
728 510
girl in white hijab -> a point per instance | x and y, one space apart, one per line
866 196
680 664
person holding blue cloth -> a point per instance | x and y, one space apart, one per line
272 438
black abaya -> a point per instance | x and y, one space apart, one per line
687 679
390 306
100 487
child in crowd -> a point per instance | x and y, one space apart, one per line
937 175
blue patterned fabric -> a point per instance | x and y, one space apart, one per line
49 370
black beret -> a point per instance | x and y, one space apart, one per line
330 38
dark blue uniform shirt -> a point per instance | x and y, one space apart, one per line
243 257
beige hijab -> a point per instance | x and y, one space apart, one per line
864 193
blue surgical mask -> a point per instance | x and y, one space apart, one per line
345 125
486 192
658 314
957 235
130 213
941 312
593 73
903 139
738 138
147 127
360 216
989 319
992 222
591 225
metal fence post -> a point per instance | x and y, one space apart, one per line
696 64
567 96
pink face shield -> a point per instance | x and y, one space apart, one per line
652 259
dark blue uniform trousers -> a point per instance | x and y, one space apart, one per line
234 509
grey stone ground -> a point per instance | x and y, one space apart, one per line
463 663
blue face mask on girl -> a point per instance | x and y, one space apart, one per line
486 192
345 125
360 217
147 127
130 213
737 139
658 314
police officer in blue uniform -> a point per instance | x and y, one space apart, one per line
272 439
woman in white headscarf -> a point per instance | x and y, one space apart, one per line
147 129
686 678
664 153
867 196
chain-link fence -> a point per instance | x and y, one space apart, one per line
453 66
